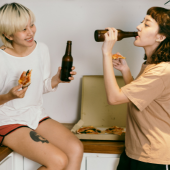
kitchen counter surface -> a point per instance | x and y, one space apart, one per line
4 152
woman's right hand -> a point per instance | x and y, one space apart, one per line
16 93
110 40
120 64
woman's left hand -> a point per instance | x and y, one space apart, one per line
110 40
56 79
72 73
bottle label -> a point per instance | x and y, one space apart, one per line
65 70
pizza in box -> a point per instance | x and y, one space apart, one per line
88 130
115 130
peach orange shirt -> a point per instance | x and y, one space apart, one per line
148 119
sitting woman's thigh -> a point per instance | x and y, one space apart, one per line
33 146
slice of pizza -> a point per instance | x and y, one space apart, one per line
94 131
25 78
88 130
115 130
117 55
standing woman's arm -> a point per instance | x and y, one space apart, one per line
127 76
121 65
113 92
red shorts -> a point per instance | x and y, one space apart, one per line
7 129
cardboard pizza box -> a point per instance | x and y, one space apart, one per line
95 110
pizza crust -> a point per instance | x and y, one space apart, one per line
116 56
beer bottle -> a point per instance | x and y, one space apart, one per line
67 62
99 35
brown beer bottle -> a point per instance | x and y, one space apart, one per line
67 62
99 35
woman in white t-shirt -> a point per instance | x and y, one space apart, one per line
24 125
147 145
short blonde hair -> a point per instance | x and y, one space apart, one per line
14 17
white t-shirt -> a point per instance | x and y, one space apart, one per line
28 110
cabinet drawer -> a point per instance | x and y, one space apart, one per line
102 163
7 163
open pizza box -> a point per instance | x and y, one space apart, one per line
95 110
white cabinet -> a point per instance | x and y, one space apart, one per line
100 161
7 163
13 161
91 161
30 165
18 161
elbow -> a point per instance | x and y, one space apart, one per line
112 101
116 98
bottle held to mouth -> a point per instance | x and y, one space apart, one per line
99 35
67 62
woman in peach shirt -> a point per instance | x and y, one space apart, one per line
147 145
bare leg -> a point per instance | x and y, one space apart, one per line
33 146
63 139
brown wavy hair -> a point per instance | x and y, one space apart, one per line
162 17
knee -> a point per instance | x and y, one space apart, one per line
59 161
63 161
77 148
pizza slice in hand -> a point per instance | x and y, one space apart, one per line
117 55
25 78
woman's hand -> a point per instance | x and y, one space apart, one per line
15 93
110 40
56 79
120 64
